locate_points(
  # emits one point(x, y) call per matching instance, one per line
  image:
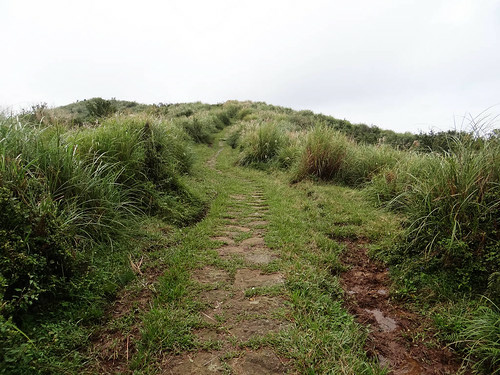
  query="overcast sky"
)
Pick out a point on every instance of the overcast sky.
point(398, 64)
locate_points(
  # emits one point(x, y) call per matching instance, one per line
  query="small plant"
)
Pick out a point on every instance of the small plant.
point(481, 338)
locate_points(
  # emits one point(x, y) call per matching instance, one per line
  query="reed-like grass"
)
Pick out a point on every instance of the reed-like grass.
point(323, 154)
point(262, 143)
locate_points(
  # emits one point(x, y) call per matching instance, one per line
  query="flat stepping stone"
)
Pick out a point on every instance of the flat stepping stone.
point(259, 362)
point(207, 334)
point(257, 214)
point(237, 227)
point(215, 297)
point(202, 363)
point(231, 250)
point(246, 278)
point(257, 223)
point(258, 304)
point(259, 256)
point(210, 275)
point(224, 239)
point(253, 241)
point(248, 329)
point(238, 197)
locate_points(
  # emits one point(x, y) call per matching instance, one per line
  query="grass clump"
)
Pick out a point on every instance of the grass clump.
point(481, 339)
point(323, 154)
point(452, 207)
point(262, 143)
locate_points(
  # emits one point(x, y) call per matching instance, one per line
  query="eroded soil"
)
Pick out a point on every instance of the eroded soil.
point(401, 339)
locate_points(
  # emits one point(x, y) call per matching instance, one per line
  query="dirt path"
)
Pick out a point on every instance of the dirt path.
point(401, 339)
point(236, 316)
point(239, 311)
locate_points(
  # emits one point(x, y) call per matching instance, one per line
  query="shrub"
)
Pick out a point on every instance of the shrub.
point(363, 162)
point(98, 107)
point(201, 131)
point(233, 138)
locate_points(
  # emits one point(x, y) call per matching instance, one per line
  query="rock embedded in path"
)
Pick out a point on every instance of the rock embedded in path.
point(253, 241)
point(210, 275)
point(260, 362)
point(246, 278)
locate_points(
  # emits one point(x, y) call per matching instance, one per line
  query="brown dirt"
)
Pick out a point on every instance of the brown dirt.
point(393, 328)
point(259, 362)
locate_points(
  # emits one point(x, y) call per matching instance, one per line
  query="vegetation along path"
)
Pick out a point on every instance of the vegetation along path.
point(241, 238)
point(260, 292)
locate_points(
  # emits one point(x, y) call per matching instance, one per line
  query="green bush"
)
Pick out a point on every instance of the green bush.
point(99, 107)
point(363, 162)
point(201, 131)
point(61, 191)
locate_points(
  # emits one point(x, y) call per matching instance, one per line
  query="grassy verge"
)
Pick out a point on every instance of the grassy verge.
point(322, 337)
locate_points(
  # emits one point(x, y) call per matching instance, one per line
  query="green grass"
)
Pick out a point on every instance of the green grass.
point(78, 203)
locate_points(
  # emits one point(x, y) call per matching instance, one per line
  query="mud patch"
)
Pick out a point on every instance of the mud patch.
point(385, 323)
point(393, 327)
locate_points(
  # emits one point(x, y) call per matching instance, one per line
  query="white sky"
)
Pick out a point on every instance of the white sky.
point(397, 64)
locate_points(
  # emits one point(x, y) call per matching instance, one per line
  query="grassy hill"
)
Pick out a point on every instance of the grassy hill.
point(82, 185)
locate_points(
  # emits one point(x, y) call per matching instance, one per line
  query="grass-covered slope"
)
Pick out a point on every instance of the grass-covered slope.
point(71, 199)
point(449, 199)
point(77, 184)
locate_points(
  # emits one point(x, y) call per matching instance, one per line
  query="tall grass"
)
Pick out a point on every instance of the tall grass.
point(452, 205)
point(481, 338)
point(323, 154)
point(63, 189)
point(262, 143)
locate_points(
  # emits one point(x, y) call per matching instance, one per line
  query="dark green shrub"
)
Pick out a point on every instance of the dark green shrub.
point(99, 107)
